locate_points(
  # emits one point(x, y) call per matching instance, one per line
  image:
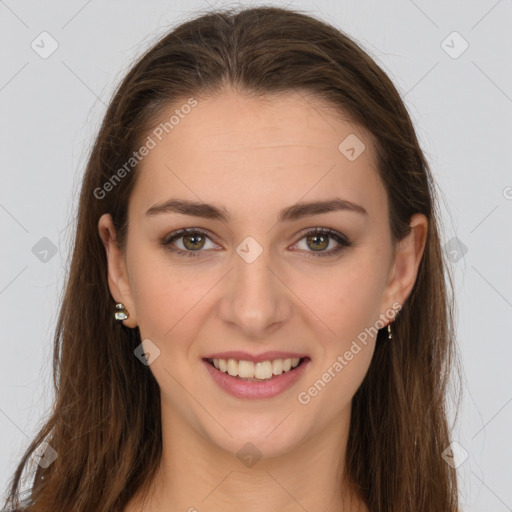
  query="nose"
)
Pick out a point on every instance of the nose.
point(255, 299)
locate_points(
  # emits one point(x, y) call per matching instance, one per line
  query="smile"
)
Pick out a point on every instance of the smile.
point(264, 379)
point(262, 370)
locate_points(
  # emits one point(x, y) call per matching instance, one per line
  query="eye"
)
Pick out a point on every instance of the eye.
point(193, 240)
point(318, 238)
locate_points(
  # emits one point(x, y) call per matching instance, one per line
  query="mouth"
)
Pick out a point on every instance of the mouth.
point(262, 371)
point(256, 380)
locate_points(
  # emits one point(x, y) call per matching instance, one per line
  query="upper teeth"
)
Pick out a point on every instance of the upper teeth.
point(260, 370)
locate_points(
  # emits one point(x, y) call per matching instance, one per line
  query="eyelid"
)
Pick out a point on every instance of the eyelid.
point(333, 233)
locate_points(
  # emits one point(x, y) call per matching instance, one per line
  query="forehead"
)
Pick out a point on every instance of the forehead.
point(258, 153)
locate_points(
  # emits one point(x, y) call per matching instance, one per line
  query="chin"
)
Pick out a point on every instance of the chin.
point(253, 440)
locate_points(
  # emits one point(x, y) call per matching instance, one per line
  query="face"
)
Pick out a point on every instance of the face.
point(261, 280)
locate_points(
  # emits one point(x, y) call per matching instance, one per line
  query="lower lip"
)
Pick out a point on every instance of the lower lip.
point(264, 389)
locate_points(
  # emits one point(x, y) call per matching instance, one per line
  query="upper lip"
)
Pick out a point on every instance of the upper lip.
point(255, 358)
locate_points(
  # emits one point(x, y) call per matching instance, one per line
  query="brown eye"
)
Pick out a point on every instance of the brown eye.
point(318, 242)
point(193, 242)
point(318, 239)
point(189, 241)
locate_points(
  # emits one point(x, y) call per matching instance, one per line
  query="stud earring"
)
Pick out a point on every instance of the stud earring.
point(121, 312)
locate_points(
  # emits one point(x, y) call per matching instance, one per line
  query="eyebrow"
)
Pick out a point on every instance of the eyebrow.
point(290, 213)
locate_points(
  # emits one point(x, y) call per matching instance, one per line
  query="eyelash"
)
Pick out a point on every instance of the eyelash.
point(338, 237)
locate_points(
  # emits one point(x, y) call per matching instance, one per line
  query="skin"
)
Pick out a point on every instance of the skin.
point(255, 157)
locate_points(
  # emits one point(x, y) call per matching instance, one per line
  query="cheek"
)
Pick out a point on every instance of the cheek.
point(162, 294)
point(348, 303)
point(346, 298)
point(170, 301)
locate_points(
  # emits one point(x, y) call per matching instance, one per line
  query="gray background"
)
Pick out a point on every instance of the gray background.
point(461, 104)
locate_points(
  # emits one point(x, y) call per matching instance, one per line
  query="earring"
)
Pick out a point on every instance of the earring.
point(121, 313)
point(389, 331)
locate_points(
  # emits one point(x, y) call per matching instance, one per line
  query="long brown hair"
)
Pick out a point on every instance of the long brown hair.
point(106, 430)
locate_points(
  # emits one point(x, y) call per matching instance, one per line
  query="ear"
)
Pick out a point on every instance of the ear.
point(404, 269)
point(117, 272)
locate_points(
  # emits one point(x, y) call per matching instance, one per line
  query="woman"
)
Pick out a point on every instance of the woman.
point(256, 315)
